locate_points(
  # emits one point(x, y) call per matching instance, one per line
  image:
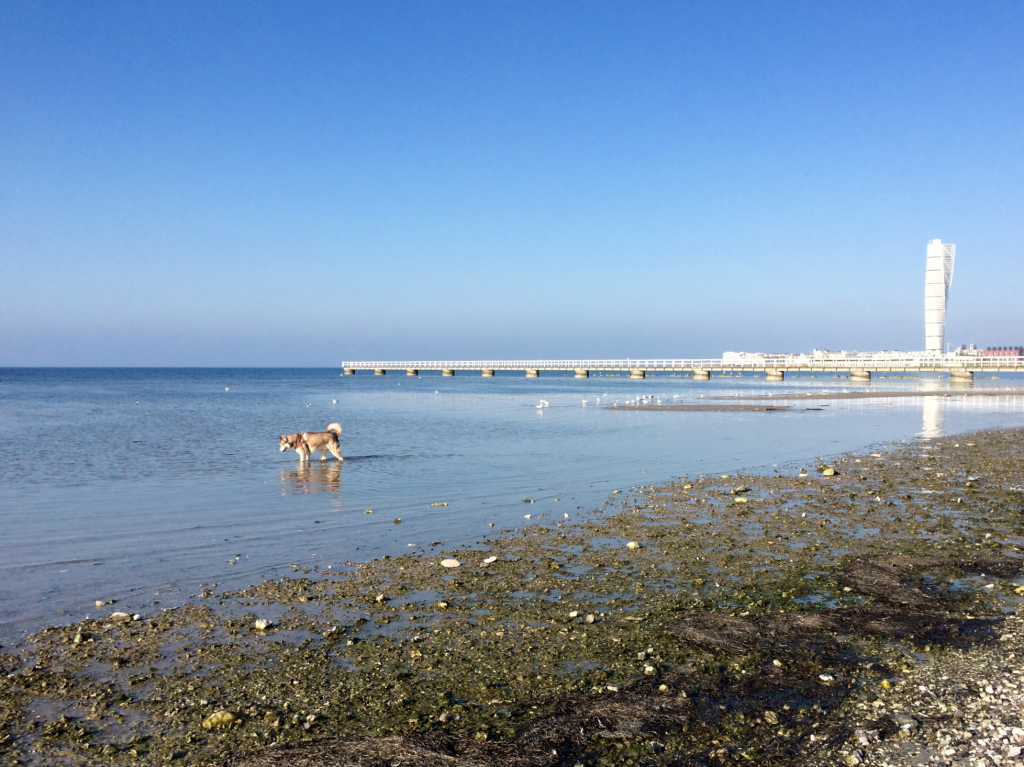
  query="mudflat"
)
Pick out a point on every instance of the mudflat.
point(788, 618)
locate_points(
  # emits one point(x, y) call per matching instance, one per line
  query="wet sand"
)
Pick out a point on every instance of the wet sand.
point(708, 621)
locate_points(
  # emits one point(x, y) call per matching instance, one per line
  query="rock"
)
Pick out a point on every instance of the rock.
point(828, 472)
point(589, 619)
point(771, 717)
point(99, 603)
point(450, 563)
point(854, 758)
point(109, 750)
point(739, 500)
point(381, 599)
point(777, 663)
point(742, 489)
point(573, 614)
point(442, 605)
point(632, 545)
point(650, 671)
point(826, 678)
point(866, 737)
point(489, 560)
point(120, 617)
point(440, 504)
point(262, 624)
point(663, 688)
point(219, 719)
point(527, 516)
point(398, 521)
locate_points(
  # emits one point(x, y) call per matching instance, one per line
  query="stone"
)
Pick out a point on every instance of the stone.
point(527, 516)
point(573, 614)
point(650, 671)
point(99, 603)
point(828, 472)
point(589, 619)
point(120, 617)
point(490, 560)
point(219, 719)
point(381, 599)
point(632, 545)
point(450, 563)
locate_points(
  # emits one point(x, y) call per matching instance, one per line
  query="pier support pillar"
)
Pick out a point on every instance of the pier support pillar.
point(448, 372)
point(581, 373)
point(774, 375)
point(348, 371)
point(636, 373)
point(380, 372)
point(532, 373)
point(701, 375)
point(487, 372)
point(860, 375)
point(412, 372)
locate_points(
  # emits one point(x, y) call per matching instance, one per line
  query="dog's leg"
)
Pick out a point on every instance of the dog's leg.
point(337, 453)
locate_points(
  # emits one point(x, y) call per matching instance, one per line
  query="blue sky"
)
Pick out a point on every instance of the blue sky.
point(301, 183)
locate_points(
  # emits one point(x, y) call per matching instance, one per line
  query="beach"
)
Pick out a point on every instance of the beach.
point(757, 617)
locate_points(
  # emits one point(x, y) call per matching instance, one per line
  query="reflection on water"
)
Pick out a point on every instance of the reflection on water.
point(933, 417)
point(312, 477)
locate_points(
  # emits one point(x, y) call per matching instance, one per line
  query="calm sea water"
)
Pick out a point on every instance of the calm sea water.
point(138, 485)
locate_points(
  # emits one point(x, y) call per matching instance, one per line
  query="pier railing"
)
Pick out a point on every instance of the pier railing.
point(893, 364)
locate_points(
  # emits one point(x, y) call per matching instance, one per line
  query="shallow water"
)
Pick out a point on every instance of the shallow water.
point(103, 498)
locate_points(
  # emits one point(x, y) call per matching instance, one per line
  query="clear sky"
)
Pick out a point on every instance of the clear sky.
point(300, 183)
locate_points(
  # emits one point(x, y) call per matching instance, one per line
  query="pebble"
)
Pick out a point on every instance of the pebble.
point(489, 560)
point(573, 614)
point(263, 624)
point(99, 603)
point(828, 472)
point(450, 563)
point(527, 516)
point(589, 619)
point(120, 617)
point(632, 545)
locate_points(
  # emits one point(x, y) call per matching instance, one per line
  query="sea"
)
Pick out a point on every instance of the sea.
point(144, 486)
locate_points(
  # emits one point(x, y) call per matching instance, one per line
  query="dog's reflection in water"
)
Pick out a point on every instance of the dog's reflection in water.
point(312, 477)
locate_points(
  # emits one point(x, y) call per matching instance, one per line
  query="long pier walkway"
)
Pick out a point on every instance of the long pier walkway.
point(959, 368)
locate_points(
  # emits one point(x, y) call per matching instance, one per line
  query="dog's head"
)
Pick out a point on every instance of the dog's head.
point(288, 441)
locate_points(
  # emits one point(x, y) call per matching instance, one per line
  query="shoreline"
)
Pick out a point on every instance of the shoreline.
point(788, 600)
point(878, 395)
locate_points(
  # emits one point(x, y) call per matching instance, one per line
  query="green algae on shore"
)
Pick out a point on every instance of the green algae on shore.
point(752, 607)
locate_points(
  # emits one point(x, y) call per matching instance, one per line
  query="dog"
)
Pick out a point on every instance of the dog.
point(309, 442)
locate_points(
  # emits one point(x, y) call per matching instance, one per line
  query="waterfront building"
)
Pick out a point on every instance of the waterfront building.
point(938, 277)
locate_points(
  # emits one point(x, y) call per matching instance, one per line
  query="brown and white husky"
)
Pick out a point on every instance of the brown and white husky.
point(309, 442)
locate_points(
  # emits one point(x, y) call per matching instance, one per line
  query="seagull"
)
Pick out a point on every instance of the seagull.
point(541, 405)
point(334, 401)
point(310, 405)
point(227, 388)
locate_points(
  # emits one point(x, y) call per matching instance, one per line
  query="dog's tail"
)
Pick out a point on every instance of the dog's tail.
point(334, 427)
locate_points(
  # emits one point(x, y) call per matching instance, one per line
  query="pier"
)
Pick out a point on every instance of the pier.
point(961, 369)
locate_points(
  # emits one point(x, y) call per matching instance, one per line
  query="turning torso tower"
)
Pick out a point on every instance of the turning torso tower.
point(938, 277)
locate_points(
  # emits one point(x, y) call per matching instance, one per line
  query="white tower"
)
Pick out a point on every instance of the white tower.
point(937, 279)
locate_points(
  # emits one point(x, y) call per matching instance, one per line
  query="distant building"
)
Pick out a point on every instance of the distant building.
point(938, 277)
point(1003, 351)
